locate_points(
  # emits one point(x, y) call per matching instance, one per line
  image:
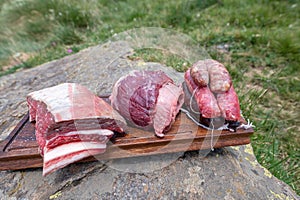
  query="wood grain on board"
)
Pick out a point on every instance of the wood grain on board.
point(20, 150)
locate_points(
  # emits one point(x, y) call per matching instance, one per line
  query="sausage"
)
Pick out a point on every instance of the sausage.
point(193, 108)
point(219, 77)
point(229, 105)
point(205, 99)
point(199, 73)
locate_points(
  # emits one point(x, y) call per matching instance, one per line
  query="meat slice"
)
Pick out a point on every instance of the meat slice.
point(205, 99)
point(69, 152)
point(69, 114)
point(169, 101)
point(65, 154)
point(140, 95)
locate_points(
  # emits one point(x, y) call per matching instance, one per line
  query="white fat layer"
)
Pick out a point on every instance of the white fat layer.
point(56, 98)
point(104, 132)
point(60, 100)
point(67, 161)
point(64, 150)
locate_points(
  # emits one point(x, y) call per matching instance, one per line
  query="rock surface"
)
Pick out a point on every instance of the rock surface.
point(228, 173)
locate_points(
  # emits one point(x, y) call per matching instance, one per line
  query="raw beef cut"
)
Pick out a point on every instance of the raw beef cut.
point(147, 99)
point(71, 123)
point(209, 95)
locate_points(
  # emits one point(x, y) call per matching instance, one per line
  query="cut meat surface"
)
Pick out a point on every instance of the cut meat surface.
point(140, 95)
point(170, 100)
point(69, 114)
point(134, 96)
point(54, 159)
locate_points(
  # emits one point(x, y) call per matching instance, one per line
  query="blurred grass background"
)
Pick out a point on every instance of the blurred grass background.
point(258, 41)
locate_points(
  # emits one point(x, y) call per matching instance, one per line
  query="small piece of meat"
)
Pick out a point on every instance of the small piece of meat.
point(229, 104)
point(219, 77)
point(199, 73)
point(169, 101)
point(66, 154)
point(205, 99)
point(140, 95)
point(69, 114)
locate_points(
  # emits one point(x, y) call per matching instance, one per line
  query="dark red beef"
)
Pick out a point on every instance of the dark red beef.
point(142, 104)
point(135, 97)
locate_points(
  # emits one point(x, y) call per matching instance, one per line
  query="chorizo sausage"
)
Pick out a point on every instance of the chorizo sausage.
point(219, 77)
point(205, 99)
point(199, 73)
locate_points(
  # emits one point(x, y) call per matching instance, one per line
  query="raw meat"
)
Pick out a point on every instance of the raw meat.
point(145, 97)
point(211, 72)
point(199, 73)
point(205, 99)
point(211, 100)
point(194, 112)
point(219, 78)
point(169, 101)
point(229, 104)
point(70, 116)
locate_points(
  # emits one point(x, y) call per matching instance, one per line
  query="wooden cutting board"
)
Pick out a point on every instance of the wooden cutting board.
point(20, 150)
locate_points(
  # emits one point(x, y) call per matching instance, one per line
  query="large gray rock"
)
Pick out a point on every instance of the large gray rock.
point(228, 173)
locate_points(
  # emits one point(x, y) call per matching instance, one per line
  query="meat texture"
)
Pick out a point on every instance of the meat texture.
point(219, 77)
point(147, 99)
point(229, 104)
point(205, 99)
point(209, 94)
point(71, 123)
point(199, 73)
point(211, 72)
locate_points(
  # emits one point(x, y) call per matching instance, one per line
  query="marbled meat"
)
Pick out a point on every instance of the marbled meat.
point(147, 100)
point(71, 123)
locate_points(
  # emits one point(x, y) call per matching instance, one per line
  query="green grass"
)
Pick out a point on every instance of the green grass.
point(156, 55)
point(263, 40)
